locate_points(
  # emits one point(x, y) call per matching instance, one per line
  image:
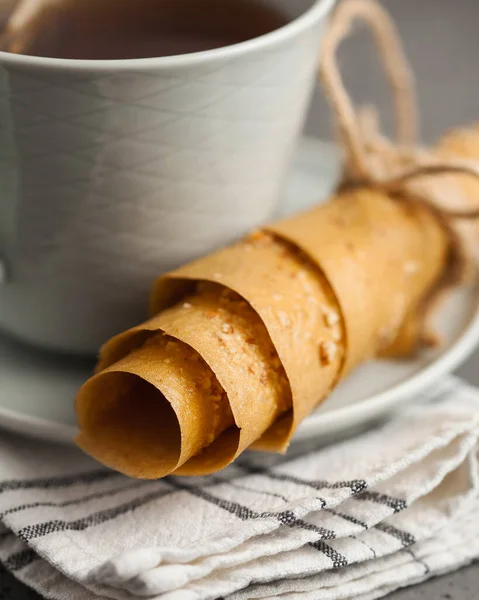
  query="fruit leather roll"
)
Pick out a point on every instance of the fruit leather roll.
point(243, 344)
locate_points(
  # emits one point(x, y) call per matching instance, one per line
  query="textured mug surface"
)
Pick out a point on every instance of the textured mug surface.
point(112, 172)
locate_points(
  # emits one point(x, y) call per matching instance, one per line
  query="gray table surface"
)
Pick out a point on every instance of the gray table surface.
point(443, 44)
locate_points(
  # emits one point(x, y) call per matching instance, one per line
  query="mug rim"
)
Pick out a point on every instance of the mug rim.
point(318, 10)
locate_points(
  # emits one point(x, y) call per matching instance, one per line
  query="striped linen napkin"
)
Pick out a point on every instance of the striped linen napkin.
point(358, 519)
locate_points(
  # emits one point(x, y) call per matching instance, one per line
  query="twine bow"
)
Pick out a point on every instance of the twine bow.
point(372, 159)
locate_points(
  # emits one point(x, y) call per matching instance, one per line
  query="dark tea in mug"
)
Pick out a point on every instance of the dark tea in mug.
point(125, 29)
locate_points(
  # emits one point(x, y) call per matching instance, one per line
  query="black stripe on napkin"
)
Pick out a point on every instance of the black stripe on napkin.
point(46, 483)
point(396, 504)
point(349, 518)
point(337, 559)
point(357, 486)
point(326, 534)
point(41, 529)
point(363, 543)
point(418, 560)
point(239, 510)
point(253, 490)
point(20, 560)
point(6, 534)
point(357, 522)
point(406, 539)
point(75, 501)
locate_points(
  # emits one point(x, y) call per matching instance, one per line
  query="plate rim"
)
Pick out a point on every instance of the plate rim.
point(23, 424)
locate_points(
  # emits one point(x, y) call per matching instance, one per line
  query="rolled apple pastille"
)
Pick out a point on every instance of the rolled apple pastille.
point(223, 328)
point(134, 418)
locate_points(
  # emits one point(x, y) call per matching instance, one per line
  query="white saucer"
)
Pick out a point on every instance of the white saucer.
point(37, 390)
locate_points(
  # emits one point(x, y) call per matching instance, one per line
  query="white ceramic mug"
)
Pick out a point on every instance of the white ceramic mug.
point(112, 172)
